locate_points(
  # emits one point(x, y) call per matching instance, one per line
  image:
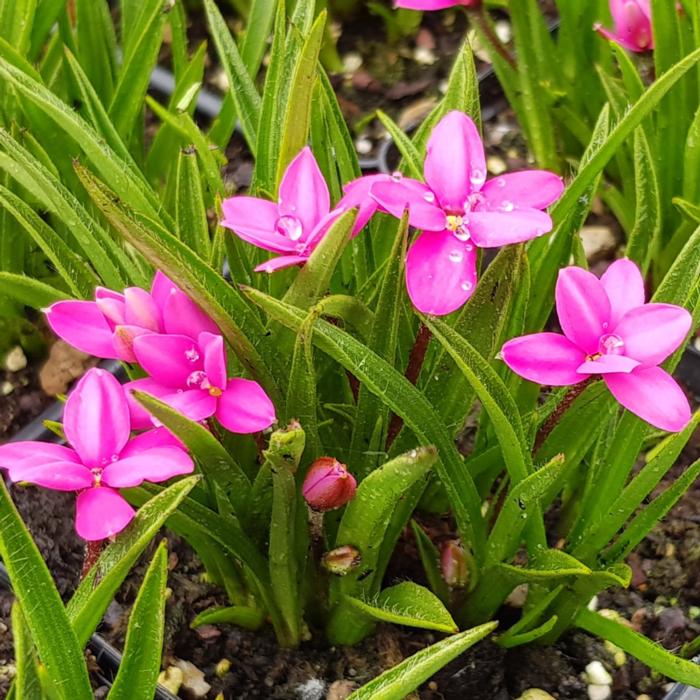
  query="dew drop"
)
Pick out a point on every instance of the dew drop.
point(477, 177)
point(290, 227)
point(501, 182)
point(506, 205)
point(462, 233)
point(611, 344)
point(429, 197)
point(114, 458)
point(397, 176)
point(456, 256)
point(469, 247)
point(192, 355)
point(466, 286)
point(196, 379)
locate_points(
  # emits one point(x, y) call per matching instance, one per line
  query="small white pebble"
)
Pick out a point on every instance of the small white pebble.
point(363, 146)
point(535, 694)
point(443, 85)
point(593, 603)
point(313, 689)
point(599, 692)
point(352, 62)
point(496, 165)
point(597, 674)
point(503, 31)
point(424, 57)
point(15, 360)
point(6, 388)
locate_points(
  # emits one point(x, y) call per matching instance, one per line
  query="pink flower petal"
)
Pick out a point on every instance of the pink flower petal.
point(455, 164)
point(492, 229)
point(607, 364)
point(214, 358)
point(114, 310)
point(430, 5)
point(281, 262)
point(100, 513)
point(545, 358)
point(123, 341)
point(357, 195)
point(255, 221)
point(303, 192)
point(196, 404)
point(440, 272)
point(620, 39)
point(653, 395)
point(155, 464)
point(321, 229)
point(140, 418)
point(96, 418)
point(169, 359)
point(653, 331)
point(157, 437)
point(527, 189)
point(31, 452)
point(161, 288)
point(102, 293)
point(583, 307)
point(625, 288)
point(181, 316)
point(245, 407)
point(397, 196)
point(82, 325)
point(59, 476)
point(141, 309)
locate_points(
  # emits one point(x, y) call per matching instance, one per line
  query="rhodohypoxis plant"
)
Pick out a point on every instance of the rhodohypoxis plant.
point(435, 4)
point(102, 457)
point(633, 30)
point(459, 209)
point(610, 331)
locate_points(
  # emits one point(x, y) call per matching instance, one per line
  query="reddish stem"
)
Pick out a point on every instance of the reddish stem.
point(415, 363)
point(92, 554)
point(479, 16)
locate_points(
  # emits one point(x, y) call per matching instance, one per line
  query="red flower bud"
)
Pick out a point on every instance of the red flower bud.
point(454, 564)
point(342, 560)
point(328, 484)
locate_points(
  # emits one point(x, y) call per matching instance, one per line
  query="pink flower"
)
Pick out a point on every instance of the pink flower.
point(609, 330)
point(295, 225)
point(458, 208)
point(102, 458)
point(434, 4)
point(633, 30)
point(453, 563)
point(107, 326)
point(190, 376)
point(328, 485)
point(357, 195)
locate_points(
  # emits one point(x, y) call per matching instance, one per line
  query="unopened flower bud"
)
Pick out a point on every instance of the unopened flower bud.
point(328, 484)
point(341, 560)
point(454, 564)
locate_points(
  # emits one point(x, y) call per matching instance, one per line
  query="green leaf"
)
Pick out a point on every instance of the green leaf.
point(522, 631)
point(16, 21)
point(137, 677)
point(192, 225)
point(408, 604)
point(314, 278)
point(398, 682)
point(216, 463)
point(240, 615)
point(692, 211)
point(297, 116)
point(96, 590)
point(96, 44)
point(45, 615)
point(637, 645)
point(29, 291)
point(430, 558)
point(241, 87)
point(260, 18)
point(27, 684)
point(140, 56)
point(412, 161)
point(550, 564)
point(203, 284)
point(364, 525)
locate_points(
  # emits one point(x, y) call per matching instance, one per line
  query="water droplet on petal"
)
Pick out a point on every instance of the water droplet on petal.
point(196, 379)
point(500, 182)
point(397, 176)
point(462, 233)
point(506, 205)
point(466, 286)
point(469, 247)
point(114, 457)
point(192, 355)
point(477, 177)
point(429, 197)
point(611, 344)
point(290, 227)
point(456, 256)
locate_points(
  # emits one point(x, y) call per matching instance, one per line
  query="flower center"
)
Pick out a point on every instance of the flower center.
point(454, 222)
point(199, 380)
point(290, 227)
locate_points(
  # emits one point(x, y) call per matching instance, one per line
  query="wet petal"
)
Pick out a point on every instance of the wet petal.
point(357, 194)
point(653, 395)
point(582, 307)
point(245, 407)
point(527, 189)
point(182, 316)
point(545, 358)
point(155, 464)
point(607, 364)
point(255, 221)
point(321, 229)
point(82, 325)
point(101, 513)
point(96, 418)
point(653, 331)
point(141, 309)
point(59, 476)
point(169, 359)
point(123, 341)
point(303, 192)
point(214, 358)
point(157, 437)
point(440, 272)
point(31, 452)
point(423, 212)
point(196, 404)
point(281, 262)
point(625, 288)
point(455, 164)
point(139, 416)
point(493, 229)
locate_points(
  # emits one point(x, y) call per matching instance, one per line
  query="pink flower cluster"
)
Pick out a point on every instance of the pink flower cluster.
point(102, 458)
